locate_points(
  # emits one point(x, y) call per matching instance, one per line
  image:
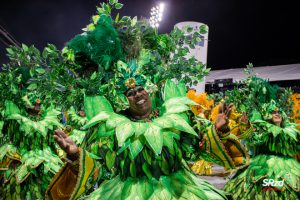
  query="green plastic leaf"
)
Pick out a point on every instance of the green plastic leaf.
point(132, 169)
point(40, 70)
point(163, 122)
point(146, 170)
point(32, 86)
point(11, 108)
point(118, 6)
point(22, 173)
point(94, 76)
point(114, 120)
point(135, 147)
point(10, 51)
point(180, 124)
point(124, 147)
point(134, 21)
point(96, 104)
point(110, 159)
point(170, 90)
point(112, 2)
point(123, 132)
point(25, 47)
point(77, 136)
point(102, 116)
point(154, 138)
point(140, 128)
point(203, 29)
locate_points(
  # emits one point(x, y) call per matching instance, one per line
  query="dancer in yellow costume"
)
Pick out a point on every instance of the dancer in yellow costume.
point(222, 143)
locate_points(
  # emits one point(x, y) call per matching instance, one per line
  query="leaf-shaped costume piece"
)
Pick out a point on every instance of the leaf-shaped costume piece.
point(30, 127)
point(33, 159)
point(137, 159)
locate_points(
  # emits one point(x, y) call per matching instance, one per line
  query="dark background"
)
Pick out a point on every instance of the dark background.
point(263, 32)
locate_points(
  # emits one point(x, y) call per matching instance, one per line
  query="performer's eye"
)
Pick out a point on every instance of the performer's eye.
point(130, 93)
point(139, 89)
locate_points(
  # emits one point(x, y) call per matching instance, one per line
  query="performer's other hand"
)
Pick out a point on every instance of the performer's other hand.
point(66, 144)
point(222, 118)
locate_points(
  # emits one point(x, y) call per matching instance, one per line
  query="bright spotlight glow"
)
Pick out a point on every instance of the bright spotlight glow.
point(156, 15)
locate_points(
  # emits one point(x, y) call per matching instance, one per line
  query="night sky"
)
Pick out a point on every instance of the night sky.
point(240, 31)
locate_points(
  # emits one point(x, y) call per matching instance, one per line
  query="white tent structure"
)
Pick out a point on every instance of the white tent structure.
point(271, 73)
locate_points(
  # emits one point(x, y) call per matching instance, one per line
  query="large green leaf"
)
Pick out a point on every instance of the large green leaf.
point(154, 138)
point(292, 132)
point(11, 108)
point(140, 128)
point(102, 116)
point(96, 104)
point(123, 132)
point(136, 147)
point(176, 108)
point(168, 140)
point(182, 88)
point(171, 90)
point(180, 124)
point(114, 120)
point(163, 122)
point(179, 100)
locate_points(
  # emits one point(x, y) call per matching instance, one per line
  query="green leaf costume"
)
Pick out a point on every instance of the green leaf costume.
point(135, 159)
point(273, 172)
point(28, 159)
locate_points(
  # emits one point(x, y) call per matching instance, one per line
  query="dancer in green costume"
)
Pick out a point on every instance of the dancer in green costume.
point(273, 172)
point(141, 156)
point(139, 132)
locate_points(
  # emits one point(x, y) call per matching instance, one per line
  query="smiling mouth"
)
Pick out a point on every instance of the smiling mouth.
point(140, 102)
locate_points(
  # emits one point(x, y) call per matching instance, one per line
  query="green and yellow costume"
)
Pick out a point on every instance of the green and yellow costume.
point(134, 159)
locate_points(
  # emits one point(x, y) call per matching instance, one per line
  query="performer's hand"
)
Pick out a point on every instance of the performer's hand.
point(66, 144)
point(222, 118)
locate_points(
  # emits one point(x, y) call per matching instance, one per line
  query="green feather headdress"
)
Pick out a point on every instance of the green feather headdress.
point(100, 46)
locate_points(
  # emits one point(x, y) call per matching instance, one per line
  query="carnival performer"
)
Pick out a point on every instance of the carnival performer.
point(273, 173)
point(136, 156)
point(221, 129)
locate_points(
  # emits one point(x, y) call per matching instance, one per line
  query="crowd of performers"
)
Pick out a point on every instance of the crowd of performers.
point(105, 119)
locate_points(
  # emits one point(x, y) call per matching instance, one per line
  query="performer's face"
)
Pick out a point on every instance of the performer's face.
point(139, 101)
point(276, 117)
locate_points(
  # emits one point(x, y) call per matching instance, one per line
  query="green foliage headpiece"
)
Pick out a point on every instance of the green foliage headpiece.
point(128, 76)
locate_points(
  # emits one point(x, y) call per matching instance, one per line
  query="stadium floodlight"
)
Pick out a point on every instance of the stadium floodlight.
point(156, 15)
